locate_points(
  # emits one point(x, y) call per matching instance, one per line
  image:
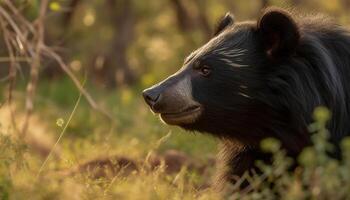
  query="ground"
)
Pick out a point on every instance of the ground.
point(102, 158)
point(127, 159)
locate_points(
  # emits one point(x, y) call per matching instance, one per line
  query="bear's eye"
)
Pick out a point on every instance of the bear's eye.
point(205, 70)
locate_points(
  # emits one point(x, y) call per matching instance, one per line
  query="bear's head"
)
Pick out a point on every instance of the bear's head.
point(222, 88)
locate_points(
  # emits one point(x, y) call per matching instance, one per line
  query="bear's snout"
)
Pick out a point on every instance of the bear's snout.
point(172, 99)
point(151, 96)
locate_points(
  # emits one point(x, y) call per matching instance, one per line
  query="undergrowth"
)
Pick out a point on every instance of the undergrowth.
point(136, 134)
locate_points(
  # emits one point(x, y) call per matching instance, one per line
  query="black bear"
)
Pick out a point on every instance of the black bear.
point(260, 79)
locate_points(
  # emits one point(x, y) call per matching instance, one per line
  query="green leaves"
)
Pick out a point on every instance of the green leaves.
point(318, 176)
point(322, 115)
point(271, 145)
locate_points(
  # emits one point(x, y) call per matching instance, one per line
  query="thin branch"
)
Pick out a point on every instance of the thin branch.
point(25, 41)
point(12, 72)
point(17, 13)
point(12, 24)
point(16, 59)
point(35, 65)
point(11, 60)
point(71, 75)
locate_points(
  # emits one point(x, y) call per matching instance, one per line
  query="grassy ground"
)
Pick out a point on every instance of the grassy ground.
point(134, 134)
point(134, 156)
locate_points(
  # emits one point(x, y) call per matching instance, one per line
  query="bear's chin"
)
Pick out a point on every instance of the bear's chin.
point(189, 116)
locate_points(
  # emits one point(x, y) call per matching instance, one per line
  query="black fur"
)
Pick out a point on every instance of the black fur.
point(293, 66)
point(266, 78)
point(226, 21)
point(279, 33)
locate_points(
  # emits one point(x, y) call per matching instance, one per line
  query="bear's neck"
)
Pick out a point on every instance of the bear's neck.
point(255, 124)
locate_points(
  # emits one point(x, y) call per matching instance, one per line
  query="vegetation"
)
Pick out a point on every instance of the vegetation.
point(73, 124)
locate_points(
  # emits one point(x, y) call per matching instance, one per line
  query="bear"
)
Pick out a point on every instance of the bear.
point(259, 79)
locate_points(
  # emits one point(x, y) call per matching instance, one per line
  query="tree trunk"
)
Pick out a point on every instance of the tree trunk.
point(70, 13)
point(116, 68)
point(203, 18)
point(184, 18)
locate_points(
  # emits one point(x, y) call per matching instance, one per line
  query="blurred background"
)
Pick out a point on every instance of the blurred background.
point(108, 51)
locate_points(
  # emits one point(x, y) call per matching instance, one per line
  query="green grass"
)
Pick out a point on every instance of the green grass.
point(134, 133)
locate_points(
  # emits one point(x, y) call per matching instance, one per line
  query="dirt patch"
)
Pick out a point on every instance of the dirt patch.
point(172, 161)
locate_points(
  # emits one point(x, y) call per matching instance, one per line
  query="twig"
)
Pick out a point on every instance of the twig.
point(25, 43)
point(15, 59)
point(71, 75)
point(11, 59)
point(35, 65)
point(16, 12)
point(12, 24)
point(12, 73)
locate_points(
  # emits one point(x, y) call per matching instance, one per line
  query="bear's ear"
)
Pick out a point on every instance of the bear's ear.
point(279, 33)
point(225, 21)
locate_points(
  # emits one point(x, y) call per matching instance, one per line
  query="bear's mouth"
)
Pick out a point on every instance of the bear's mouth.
point(186, 116)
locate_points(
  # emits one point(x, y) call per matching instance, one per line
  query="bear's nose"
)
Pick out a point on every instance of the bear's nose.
point(151, 96)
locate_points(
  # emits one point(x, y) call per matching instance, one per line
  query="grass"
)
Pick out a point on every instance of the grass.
point(137, 136)
point(133, 133)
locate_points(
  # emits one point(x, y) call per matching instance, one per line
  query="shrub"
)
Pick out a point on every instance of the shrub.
point(318, 175)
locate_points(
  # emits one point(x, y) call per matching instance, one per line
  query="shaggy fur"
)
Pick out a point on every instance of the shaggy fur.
point(267, 77)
